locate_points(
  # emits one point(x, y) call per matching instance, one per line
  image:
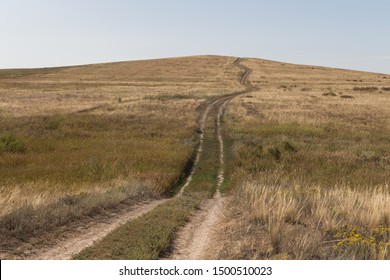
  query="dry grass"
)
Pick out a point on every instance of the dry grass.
point(90, 132)
point(311, 222)
point(312, 148)
point(73, 89)
point(309, 154)
point(143, 129)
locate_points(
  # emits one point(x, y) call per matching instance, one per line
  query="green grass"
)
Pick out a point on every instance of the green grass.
point(78, 148)
point(206, 171)
point(10, 144)
point(144, 238)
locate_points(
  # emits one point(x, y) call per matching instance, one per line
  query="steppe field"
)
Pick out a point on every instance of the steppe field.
point(203, 157)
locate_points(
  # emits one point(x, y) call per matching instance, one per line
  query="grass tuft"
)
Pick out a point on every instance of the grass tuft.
point(10, 144)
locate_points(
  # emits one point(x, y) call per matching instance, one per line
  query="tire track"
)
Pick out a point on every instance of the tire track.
point(195, 240)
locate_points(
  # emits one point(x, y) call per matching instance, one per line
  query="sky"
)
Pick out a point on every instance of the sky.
point(350, 34)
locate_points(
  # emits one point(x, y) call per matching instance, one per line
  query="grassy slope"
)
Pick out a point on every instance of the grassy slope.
point(311, 164)
point(142, 125)
point(77, 140)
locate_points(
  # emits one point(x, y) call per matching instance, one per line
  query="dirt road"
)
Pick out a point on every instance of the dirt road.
point(196, 241)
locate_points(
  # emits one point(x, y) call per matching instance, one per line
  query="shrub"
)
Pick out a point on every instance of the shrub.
point(10, 144)
point(275, 153)
point(361, 242)
point(329, 94)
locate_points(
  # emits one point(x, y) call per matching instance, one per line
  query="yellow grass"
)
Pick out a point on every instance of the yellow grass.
point(86, 128)
point(311, 222)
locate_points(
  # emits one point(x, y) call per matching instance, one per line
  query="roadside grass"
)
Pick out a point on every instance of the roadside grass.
point(144, 238)
point(229, 166)
point(310, 173)
point(206, 171)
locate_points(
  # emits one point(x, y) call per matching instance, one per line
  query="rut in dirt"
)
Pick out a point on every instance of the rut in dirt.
point(196, 239)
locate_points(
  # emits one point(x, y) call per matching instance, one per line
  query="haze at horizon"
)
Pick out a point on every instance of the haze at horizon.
point(343, 34)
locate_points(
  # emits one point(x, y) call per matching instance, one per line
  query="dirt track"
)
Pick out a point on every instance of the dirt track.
point(196, 241)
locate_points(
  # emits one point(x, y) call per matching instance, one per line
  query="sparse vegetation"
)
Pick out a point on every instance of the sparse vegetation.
point(365, 88)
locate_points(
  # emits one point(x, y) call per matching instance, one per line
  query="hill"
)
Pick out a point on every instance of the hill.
point(299, 154)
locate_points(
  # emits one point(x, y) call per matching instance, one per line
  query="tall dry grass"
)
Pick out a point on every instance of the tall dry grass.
point(310, 222)
point(325, 214)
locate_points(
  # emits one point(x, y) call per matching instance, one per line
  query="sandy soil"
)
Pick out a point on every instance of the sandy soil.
point(195, 240)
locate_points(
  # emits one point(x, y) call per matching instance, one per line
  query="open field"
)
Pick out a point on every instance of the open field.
point(76, 140)
point(299, 154)
point(311, 165)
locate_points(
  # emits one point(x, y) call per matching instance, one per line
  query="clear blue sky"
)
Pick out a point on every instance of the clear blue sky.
point(350, 34)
